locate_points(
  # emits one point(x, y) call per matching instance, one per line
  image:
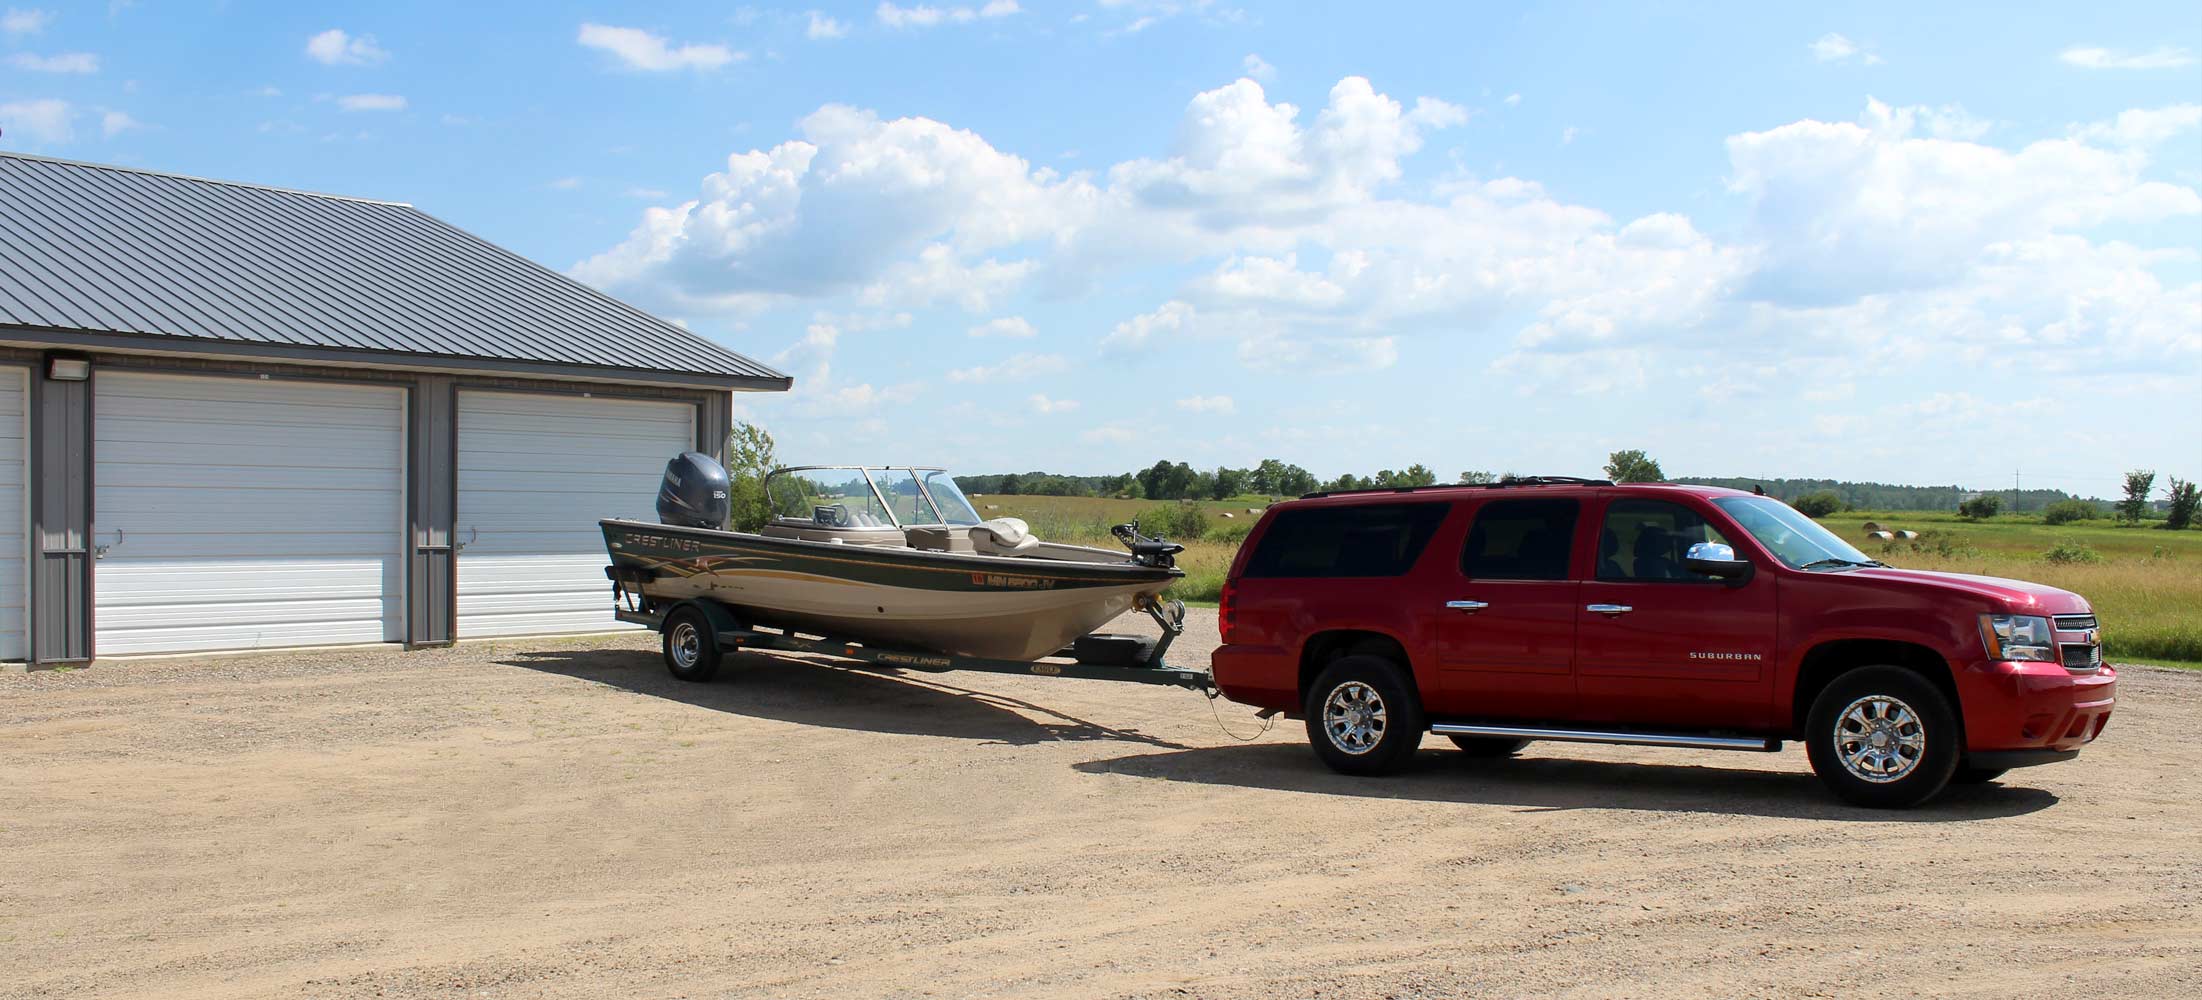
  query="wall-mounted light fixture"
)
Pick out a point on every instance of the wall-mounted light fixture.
point(68, 367)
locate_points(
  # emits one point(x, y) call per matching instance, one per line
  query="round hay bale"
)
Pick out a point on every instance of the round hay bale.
point(1881, 536)
point(993, 506)
point(1907, 535)
point(1227, 514)
point(1871, 526)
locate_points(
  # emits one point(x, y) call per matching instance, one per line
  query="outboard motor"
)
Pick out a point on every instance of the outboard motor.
point(694, 493)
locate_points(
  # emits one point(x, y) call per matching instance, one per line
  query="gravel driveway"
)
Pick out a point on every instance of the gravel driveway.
point(560, 818)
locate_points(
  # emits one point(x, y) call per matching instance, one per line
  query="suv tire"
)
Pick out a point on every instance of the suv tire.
point(1882, 737)
point(1363, 716)
point(1488, 746)
point(691, 645)
point(1976, 775)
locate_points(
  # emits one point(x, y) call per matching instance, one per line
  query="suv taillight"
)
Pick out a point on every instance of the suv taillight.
point(1226, 618)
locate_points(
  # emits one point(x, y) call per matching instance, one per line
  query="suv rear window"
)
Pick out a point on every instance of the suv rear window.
point(1520, 540)
point(1370, 540)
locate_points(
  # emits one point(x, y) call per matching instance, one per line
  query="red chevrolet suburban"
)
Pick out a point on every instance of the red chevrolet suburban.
point(1554, 608)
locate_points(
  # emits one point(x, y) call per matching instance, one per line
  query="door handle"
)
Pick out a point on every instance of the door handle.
point(1469, 607)
point(1609, 610)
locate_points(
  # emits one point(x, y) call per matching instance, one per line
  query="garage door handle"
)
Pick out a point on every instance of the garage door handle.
point(1466, 607)
point(1609, 610)
point(471, 535)
point(100, 551)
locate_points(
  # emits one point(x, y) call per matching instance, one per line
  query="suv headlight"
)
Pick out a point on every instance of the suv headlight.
point(2018, 637)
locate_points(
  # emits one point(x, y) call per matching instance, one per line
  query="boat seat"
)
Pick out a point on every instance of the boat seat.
point(1003, 536)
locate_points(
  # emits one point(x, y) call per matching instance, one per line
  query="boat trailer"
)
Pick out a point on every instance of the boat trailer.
point(1082, 660)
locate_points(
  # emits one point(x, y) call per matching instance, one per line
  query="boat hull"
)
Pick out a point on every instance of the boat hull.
point(1005, 608)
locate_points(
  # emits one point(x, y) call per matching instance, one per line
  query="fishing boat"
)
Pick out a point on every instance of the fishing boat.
point(894, 556)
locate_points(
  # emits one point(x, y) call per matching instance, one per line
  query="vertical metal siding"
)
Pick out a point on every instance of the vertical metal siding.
point(15, 392)
point(61, 514)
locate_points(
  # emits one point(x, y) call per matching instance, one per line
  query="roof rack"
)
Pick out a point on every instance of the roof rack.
point(1510, 481)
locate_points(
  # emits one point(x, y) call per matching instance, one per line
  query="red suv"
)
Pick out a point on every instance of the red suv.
point(1663, 615)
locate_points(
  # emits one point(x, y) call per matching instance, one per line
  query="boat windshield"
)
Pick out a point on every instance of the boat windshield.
point(837, 498)
point(853, 497)
point(904, 499)
point(954, 507)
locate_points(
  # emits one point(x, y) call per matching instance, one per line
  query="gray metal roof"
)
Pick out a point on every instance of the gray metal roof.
point(184, 263)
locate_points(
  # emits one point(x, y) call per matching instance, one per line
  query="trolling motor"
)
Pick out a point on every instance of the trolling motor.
point(1153, 551)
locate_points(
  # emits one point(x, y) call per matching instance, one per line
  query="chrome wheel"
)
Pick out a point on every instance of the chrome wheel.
point(1353, 717)
point(685, 645)
point(1879, 738)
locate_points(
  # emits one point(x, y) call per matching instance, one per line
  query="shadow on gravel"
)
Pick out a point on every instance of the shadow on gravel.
point(840, 696)
point(1539, 783)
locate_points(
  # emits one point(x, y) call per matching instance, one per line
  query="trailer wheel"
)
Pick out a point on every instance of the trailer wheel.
point(691, 645)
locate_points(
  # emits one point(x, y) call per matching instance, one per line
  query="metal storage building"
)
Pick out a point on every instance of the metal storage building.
point(237, 417)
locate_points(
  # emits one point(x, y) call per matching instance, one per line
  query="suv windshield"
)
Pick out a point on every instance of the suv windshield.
point(1798, 541)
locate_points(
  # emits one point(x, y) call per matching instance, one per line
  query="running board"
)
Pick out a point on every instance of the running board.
point(1691, 741)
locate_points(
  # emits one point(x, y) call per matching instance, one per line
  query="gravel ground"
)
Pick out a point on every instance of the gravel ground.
point(560, 819)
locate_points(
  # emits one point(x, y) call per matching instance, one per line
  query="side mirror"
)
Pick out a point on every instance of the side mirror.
point(1717, 560)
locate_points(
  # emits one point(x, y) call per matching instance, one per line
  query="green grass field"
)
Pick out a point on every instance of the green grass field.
point(2145, 583)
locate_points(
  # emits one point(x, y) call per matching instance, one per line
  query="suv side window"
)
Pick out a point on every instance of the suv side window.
point(1366, 540)
point(1646, 540)
point(1521, 540)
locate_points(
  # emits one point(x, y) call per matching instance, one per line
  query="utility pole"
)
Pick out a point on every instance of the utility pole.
point(2014, 490)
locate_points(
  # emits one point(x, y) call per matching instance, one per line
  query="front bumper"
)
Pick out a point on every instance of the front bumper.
point(2033, 713)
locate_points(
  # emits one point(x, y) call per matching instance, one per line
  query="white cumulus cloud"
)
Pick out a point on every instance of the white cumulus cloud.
point(822, 27)
point(641, 50)
point(1008, 326)
point(2093, 57)
point(337, 47)
point(114, 123)
point(372, 102)
point(925, 15)
point(1222, 405)
point(61, 62)
point(19, 21)
point(43, 119)
point(1043, 405)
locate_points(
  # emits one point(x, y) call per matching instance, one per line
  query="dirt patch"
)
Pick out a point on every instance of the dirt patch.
point(560, 818)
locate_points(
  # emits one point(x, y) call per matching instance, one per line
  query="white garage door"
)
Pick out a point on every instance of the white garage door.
point(535, 475)
point(244, 514)
point(14, 510)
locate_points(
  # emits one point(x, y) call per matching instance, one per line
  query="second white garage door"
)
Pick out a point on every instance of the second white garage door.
point(243, 514)
point(535, 474)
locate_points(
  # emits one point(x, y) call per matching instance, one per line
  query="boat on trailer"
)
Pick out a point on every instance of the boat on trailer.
point(887, 559)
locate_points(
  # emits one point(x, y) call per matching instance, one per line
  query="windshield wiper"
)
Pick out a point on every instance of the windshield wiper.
point(1832, 561)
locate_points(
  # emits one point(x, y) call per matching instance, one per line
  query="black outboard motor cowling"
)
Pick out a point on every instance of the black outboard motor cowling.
point(694, 493)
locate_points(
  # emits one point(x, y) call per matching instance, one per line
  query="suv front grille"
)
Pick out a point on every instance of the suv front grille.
point(2074, 623)
point(2079, 656)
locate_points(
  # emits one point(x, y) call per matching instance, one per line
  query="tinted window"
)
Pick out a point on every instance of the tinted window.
point(1372, 540)
point(1520, 540)
point(1646, 540)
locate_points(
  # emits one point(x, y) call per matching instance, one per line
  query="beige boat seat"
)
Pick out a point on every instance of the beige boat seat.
point(1003, 536)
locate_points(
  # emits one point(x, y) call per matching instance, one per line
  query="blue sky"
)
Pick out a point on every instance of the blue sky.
point(1867, 242)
